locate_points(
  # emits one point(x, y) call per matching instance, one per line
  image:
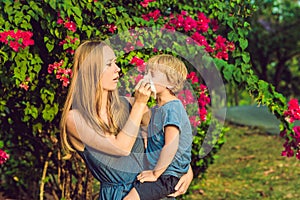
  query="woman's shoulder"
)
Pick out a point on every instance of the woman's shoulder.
point(73, 135)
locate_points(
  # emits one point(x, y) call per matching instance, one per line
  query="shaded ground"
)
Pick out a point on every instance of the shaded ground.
point(250, 166)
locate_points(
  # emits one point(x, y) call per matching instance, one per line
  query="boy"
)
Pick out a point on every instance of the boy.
point(169, 132)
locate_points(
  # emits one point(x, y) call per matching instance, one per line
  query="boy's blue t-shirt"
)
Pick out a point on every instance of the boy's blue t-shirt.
point(171, 113)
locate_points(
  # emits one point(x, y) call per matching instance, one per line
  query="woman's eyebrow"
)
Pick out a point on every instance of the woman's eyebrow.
point(110, 61)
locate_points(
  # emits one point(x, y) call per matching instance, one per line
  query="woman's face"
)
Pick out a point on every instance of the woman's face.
point(110, 75)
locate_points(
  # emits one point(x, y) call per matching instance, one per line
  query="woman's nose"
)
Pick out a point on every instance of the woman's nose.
point(118, 69)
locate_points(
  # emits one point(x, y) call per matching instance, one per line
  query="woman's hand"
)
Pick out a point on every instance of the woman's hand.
point(183, 183)
point(142, 91)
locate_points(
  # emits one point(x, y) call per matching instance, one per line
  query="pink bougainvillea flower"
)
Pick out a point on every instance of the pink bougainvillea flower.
point(203, 100)
point(68, 72)
point(112, 28)
point(139, 43)
point(203, 22)
point(70, 25)
point(298, 155)
point(129, 47)
point(141, 65)
point(138, 78)
point(3, 37)
point(189, 24)
point(168, 28)
point(180, 96)
point(200, 39)
point(293, 111)
point(214, 24)
point(282, 133)
point(193, 77)
point(296, 134)
point(60, 21)
point(202, 114)
point(3, 156)
point(194, 121)
point(230, 46)
point(15, 45)
point(184, 13)
point(222, 55)
point(24, 86)
point(17, 40)
point(146, 2)
point(70, 51)
point(293, 104)
point(152, 15)
point(65, 81)
point(203, 88)
point(61, 74)
point(220, 42)
point(288, 151)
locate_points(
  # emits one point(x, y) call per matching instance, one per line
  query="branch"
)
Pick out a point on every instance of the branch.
point(44, 176)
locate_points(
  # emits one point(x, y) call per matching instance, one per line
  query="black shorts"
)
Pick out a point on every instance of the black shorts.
point(164, 186)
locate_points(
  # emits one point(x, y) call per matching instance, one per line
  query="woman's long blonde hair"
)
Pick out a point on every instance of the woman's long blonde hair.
point(85, 93)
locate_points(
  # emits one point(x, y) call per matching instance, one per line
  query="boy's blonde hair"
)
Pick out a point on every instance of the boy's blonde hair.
point(172, 67)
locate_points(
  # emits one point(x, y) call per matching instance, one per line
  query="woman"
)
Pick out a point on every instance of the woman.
point(93, 115)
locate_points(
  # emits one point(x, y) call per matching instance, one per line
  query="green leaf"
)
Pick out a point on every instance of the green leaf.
point(47, 95)
point(243, 43)
point(228, 71)
point(77, 11)
point(246, 58)
point(49, 46)
point(237, 74)
point(49, 112)
point(52, 4)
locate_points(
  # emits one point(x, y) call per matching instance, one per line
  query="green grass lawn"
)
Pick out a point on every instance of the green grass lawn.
point(250, 166)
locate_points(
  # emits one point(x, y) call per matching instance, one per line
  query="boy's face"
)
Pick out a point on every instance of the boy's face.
point(158, 80)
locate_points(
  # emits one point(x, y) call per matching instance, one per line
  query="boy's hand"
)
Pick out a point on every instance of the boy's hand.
point(147, 176)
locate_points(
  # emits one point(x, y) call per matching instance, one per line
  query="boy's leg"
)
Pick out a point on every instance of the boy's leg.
point(156, 190)
point(132, 195)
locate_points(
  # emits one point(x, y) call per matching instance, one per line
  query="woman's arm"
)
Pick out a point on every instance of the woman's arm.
point(121, 144)
point(183, 183)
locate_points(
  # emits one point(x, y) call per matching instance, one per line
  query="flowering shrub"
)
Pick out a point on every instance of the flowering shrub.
point(40, 38)
point(292, 141)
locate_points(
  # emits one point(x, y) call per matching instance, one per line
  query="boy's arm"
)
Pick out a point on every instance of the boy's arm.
point(166, 155)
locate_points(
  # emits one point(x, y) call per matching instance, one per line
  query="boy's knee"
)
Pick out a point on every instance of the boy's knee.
point(132, 195)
